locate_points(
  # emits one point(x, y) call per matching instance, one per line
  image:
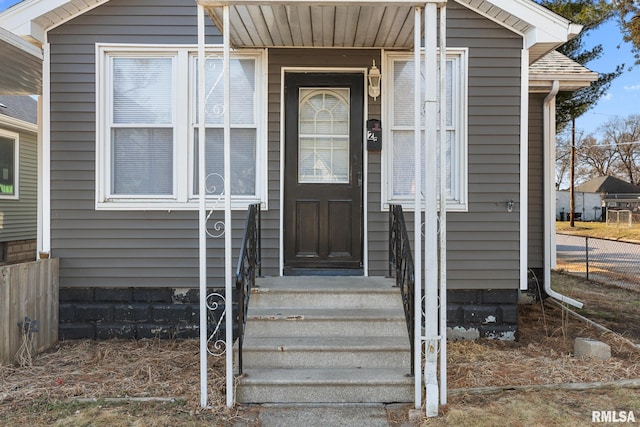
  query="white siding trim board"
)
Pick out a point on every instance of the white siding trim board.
point(524, 169)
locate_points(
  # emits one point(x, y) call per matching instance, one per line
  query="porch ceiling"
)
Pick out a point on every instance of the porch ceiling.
point(336, 24)
point(373, 23)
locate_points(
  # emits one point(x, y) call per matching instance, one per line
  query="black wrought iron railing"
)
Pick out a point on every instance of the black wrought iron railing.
point(249, 266)
point(402, 268)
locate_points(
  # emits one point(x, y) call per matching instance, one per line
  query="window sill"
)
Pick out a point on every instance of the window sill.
point(164, 205)
point(408, 206)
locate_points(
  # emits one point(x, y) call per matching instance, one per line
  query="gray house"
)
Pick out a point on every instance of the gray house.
point(315, 141)
point(18, 178)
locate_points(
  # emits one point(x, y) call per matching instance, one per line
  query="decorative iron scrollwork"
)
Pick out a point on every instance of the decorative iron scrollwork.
point(216, 302)
point(214, 186)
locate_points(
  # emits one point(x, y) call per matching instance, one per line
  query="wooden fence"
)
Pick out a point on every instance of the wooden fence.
point(28, 293)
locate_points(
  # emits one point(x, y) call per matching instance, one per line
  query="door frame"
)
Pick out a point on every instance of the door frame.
point(365, 166)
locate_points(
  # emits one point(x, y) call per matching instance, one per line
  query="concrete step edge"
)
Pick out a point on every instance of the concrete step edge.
point(323, 313)
point(323, 343)
point(325, 376)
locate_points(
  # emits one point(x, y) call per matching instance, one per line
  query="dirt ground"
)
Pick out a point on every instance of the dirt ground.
point(58, 388)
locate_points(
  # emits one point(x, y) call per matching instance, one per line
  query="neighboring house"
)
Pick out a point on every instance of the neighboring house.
point(588, 206)
point(607, 185)
point(615, 193)
point(120, 114)
point(18, 178)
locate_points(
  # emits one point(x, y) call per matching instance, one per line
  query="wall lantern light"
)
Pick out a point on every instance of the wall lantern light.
point(374, 81)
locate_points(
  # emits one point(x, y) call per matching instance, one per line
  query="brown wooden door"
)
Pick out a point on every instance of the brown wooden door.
point(324, 128)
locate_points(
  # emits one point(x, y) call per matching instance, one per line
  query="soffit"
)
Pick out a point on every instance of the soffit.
point(20, 66)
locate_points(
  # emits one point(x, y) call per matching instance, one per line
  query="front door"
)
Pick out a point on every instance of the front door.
point(323, 172)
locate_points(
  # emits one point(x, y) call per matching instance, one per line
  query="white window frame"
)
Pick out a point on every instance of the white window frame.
point(16, 165)
point(459, 162)
point(184, 89)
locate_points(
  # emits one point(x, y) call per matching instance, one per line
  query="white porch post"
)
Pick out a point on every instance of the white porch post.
point(202, 214)
point(443, 205)
point(228, 226)
point(431, 214)
point(417, 212)
point(202, 208)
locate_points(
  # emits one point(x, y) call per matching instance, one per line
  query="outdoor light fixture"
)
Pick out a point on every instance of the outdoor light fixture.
point(374, 81)
point(510, 204)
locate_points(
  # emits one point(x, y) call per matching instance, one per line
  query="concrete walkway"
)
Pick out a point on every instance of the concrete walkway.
point(329, 415)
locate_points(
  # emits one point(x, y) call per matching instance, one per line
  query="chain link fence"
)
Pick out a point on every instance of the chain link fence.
point(601, 260)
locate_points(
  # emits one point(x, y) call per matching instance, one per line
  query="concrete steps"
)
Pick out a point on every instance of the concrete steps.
point(325, 386)
point(325, 340)
point(329, 352)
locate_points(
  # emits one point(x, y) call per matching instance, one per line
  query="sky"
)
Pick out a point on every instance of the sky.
point(6, 3)
point(623, 97)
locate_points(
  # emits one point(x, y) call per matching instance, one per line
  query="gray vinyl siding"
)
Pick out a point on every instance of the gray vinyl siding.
point(160, 248)
point(18, 218)
point(536, 182)
point(116, 248)
point(483, 243)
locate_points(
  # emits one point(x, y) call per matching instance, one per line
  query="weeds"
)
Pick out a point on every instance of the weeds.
point(24, 356)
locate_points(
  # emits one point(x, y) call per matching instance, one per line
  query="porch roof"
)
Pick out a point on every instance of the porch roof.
point(374, 23)
point(555, 66)
point(277, 23)
point(322, 23)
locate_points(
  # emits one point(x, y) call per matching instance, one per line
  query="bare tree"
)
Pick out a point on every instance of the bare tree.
point(623, 134)
point(595, 158)
point(563, 159)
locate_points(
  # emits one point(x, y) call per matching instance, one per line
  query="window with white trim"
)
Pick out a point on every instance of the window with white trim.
point(147, 133)
point(399, 153)
point(9, 164)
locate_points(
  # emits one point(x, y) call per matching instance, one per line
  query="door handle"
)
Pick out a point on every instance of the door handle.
point(359, 179)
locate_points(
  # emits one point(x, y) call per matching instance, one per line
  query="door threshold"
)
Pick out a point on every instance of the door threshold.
point(291, 271)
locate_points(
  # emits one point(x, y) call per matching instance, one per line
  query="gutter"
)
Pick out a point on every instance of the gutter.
point(549, 136)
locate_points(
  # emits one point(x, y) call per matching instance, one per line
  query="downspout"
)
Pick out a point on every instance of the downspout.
point(549, 135)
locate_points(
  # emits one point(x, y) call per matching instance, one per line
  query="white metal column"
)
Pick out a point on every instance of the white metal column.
point(228, 226)
point(430, 211)
point(202, 210)
point(443, 205)
point(417, 212)
point(202, 207)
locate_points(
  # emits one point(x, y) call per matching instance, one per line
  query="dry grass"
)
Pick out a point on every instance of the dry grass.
point(111, 369)
point(47, 392)
point(539, 357)
point(599, 230)
point(615, 307)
